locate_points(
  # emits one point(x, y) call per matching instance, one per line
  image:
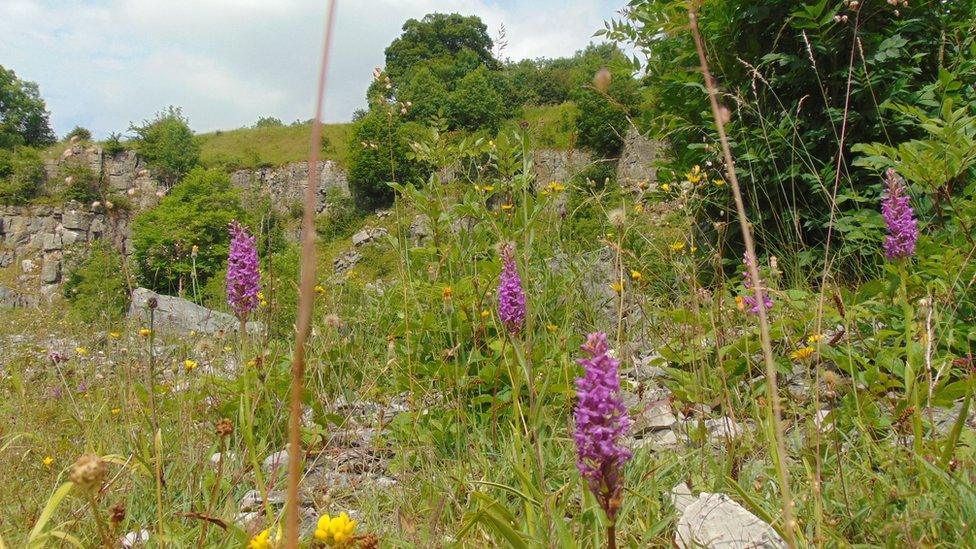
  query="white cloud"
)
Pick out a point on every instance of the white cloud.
point(107, 63)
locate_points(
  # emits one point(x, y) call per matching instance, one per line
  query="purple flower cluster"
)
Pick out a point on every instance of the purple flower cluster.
point(243, 277)
point(511, 296)
point(898, 215)
point(749, 300)
point(57, 357)
point(601, 422)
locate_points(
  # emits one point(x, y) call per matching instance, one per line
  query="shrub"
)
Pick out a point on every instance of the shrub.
point(113, 145)
point(82, 184)
point(603, 120)
point(81, 133)
point(340, 220)
point(378, 154)
point(168, 145)
point(21, 175)
point(96, 286)
point(268, 122)
point(196, 212)
point(475, 103)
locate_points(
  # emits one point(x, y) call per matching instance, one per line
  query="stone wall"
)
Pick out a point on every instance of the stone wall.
point(286, 185)
point(124, 172)
point(637, 158)
point(35, 239)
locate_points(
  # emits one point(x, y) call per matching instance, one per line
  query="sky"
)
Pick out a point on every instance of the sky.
point(102, 64)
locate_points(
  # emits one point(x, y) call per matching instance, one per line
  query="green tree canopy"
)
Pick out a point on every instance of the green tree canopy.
point(378, 154)
point(23, 114)
point(168, 145)
point(450, 43)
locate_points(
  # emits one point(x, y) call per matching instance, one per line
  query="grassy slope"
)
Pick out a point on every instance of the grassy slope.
point(274, 146)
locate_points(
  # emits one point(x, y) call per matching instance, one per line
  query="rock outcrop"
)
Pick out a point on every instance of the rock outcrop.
point(182, 316)
point(637, 158)
point(286, 185)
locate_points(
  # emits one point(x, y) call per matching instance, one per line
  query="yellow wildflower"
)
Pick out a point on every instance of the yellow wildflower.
point(507, 206)
point(335, 531)
point(677, 246)
point(554, 187)
point(638, 208)
point(320, 289)
point(485, 314)
point(81, 351)
point(190, 365)
point(261, 541)
point(115, 335)
point(193, 333)
point(487, 188)
point(802, 354)
point(116, 411)
point(617, 287)
point(636, 276)
point(665, 187)
point(719, 182)
point(740, 303)
point(227, 348)
point(695, 175)
point(693, 249)
point(814, 338)
point(447, 293)
point(48, 460)
point(145, 332)
point(552, 327)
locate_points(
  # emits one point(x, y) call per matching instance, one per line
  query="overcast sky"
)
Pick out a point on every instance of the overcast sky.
point(104, 63)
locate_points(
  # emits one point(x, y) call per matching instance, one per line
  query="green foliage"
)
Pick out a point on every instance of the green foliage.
point(96, 286)
point(340, 219)
point(195, 212)
point(82, 184)
point(113, 145)
point(475, 104)
point(168, 145)
point(270, 146)
point(449, 45)
point(379, 154)
point(84, 134)
point(784, 69)
point(604, 118)
point(268, 122)
point(23, 114)
point(21, 175)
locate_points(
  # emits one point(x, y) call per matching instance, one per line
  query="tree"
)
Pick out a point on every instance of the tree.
point(426, 93)
point(475, 103)
point(23, 114)
point(378, 154)
point(168, 145)
point(81, 133)
point(196, 212)
point(440, 40)
point(603, 118)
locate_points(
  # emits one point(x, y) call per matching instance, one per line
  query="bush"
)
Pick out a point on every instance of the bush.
point(378, 154)
point(82, 184)
point(168, 145)
point(81, 133)
point(96, 286)
point(195, 212)
point(21, 175)
point(113, 145)
point(340, 220)
point(268, 122)
point(603, 120)
point(475, 103)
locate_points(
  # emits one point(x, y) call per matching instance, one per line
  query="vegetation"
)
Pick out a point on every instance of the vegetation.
point(97, 287)
point(269, 146)
point(82, 134)
point(168, 145)
point(378, 155)
point(21, 175)
point(23, 114)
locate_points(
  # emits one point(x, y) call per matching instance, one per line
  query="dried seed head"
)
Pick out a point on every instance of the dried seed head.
point(152, 303)
point(224, 428)
point(601, 80)
point(116, 513)
point(88, 472)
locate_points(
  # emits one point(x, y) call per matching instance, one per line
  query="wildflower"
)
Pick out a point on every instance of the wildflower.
point(638, 208)
point(693, 249)
point(617, 287)
point(116, 411)
point(636, 276)
point(898, 215)
point(485, 314)
point(695, 175)
point(718, 182)
point(551, 327)
point(740, 303)
point(224, 428)
point(190, 365)
point(194, 250)
point(677, 246)
point(554, 187)
point(261, 541)
point(243, 278)
point(749, 301)
point(88, 472)
point(320, 290)
point(56, 357)
point(115, 335)
point(814, 338)
point(335, 531)
point(511, 297)
point(802, 353)
point(447, 293)
point(47, 461)
point(81, 351)
point(601, 422)
point(145, 332)
point(507, 206)
point(665, 187)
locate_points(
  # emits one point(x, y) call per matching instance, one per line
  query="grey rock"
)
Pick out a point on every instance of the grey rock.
point(27, 265)
point(254, 501)
point(654, 416)
point(637, 158)
point(716, 521)
point(277, 461)
point(6, 258)
point(51, 242)
point(182, 316)
point(681, 497)
point(76, 220)
point(134, 539)
point(51, 270)
point(367, 235)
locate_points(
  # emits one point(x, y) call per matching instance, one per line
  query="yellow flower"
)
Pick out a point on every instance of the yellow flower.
point(115, 335)
point(193, 333)
point(677, 246)
point(81, 351)
point(319, 290)
point(693, 249)
point(447, 292)
point(554, 187)
point(261, 296)
point(695, 175)
point(617, 287)
point(261, 541)
point(264, 302)
point(47, 461)
point(552, 327)
point(335, 531)
point(145, 332)
point(665, 187)
point(740, 303)
point(507, 206)
point(485, 314)
point(638, 208)
point(814, 338)
point(802, 354)
point(636, 276)
point(227, 348)
point(190, 365)
point(719, 182)
point(116, 411)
